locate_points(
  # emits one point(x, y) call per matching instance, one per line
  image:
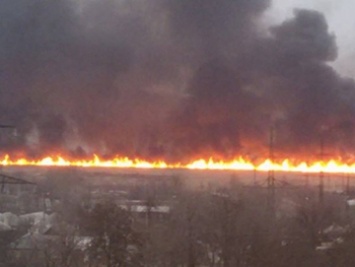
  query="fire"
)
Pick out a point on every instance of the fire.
point(331, 166)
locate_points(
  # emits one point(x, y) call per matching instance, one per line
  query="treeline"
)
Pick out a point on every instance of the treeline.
point(235, 226)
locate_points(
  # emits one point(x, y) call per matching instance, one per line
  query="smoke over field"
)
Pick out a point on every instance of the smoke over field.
point(171, 79)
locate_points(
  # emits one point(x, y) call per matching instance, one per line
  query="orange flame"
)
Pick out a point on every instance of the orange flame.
point(331, 166)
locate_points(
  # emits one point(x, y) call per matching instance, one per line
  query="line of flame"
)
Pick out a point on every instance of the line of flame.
point(331, 166)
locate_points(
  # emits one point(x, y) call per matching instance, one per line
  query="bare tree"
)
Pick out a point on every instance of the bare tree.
point(115, 242)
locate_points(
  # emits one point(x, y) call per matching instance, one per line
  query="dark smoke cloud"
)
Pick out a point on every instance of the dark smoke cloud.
point(169, 79)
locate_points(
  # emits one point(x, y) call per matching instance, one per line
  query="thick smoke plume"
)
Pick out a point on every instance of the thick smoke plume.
point(172, 79)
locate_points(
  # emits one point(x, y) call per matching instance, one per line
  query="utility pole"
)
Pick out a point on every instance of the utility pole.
point(321, 173)
point(271, 174)
point(347, 189)
point(254, 177)
point(7, 126)
point(306, 180)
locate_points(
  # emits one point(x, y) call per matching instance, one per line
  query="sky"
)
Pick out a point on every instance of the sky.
point(341, 21)
point(176, 79)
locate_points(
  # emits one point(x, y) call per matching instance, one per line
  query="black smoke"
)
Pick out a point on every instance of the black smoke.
point(169, 79)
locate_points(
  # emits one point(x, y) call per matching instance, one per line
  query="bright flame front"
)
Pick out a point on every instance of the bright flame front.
point(331, 166)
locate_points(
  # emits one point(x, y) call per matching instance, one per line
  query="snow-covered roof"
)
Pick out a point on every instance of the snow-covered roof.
point(10, 219)
point(39, 221)
point(37, 241)
point(324, 246)
point(32, 241)
point(37, 217)
point(145, 208)
point(335, 229)
point(4, 227)
point(351, 202)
